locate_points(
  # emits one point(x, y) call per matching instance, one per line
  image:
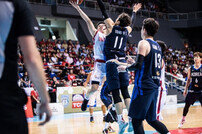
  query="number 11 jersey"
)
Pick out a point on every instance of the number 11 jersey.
point(115, 43)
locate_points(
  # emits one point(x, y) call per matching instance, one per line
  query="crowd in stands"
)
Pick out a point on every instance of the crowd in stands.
point(155, 5)
point(178, 61)
point(68, 64)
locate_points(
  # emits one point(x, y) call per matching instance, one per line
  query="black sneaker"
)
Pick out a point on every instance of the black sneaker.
point(91, 119)
point(84, 105)
point(105, 131)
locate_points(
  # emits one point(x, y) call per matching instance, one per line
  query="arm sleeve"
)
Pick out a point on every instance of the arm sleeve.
point(137, 65)
point(133, 18)
point(103, 9)
point(24, 19)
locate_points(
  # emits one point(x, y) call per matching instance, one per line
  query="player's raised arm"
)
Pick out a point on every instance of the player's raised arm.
point(136, 8)
point(108, 21)
point(88, 21)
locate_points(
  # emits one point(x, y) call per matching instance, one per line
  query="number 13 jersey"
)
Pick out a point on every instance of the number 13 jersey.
point(148, 77)
point(115, 43)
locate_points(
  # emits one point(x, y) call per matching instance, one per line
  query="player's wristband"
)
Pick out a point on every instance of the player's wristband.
point(133, 18)
point(102, 8)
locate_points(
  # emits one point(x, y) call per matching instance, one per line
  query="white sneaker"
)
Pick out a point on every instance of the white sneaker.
point(130, 127)
point(122, 127)
point(181, 123)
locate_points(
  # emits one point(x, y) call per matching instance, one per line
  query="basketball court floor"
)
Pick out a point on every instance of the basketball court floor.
point(79, 123)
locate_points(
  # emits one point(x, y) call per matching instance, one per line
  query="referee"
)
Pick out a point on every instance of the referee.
point(16, 28)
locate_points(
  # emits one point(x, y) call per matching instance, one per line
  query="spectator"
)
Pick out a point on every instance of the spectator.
point(71, 76)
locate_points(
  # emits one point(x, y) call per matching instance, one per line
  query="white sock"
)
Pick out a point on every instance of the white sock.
point(106, 125)
point(120, 117)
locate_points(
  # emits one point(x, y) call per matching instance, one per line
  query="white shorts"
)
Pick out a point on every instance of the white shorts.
point(161, 102)
point(99, 72)
point(95, 98)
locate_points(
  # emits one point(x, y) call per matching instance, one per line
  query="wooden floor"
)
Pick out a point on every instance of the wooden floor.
point(78, 123)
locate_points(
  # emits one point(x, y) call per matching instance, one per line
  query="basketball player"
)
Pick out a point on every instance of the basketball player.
point(147, 80)
point(100, 66)
point(117, 36)
point(194, 84)
point(162, 93)
point(16, 27)
point(91, 102)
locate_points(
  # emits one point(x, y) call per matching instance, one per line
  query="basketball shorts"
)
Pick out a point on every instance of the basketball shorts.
point(99, 72)
point(191, 98)
point(95, 100)
point(12, 115)
point(143, 106)
point(161, 102)
point(105, 96)
point(115, 79)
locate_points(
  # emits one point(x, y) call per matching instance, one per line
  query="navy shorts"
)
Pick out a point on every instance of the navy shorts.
point(191, 98)
point(143, 104)
point(116, 80)
point(105, 95)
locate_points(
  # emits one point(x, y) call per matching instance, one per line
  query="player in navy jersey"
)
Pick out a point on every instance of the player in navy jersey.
point(147, 80)
point(193, 86)
point(116, 39)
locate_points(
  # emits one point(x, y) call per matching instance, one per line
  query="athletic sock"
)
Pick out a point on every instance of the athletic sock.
point(106, 125)
point(120, 117)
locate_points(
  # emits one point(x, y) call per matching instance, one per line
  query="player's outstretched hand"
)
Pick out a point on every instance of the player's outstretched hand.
point(130, 60)
point(121, 68)
point(185, 93)
point(74, 4)
point(44, 109)
point(137, 7)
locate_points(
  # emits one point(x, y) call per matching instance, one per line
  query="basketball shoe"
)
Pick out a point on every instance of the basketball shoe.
point(181, 123)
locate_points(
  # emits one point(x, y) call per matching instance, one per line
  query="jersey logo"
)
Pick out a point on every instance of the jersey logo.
point(155, 47)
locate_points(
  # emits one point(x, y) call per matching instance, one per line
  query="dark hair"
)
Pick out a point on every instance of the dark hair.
point(100, 22)
point(198, 54)
point(162, 45)
point(124, 20)
point(151, 26)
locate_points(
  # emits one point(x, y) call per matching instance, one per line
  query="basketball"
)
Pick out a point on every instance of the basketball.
point(77, 1)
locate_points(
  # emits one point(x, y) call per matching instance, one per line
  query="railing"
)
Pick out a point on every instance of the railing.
point(175, 82)
point(117, 9)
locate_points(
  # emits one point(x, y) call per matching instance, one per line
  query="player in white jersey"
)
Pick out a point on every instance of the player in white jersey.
point(162, 95)
point(99, 66)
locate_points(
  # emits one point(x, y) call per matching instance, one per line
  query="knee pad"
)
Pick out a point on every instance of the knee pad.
point(125, 93)
point(116, 96)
